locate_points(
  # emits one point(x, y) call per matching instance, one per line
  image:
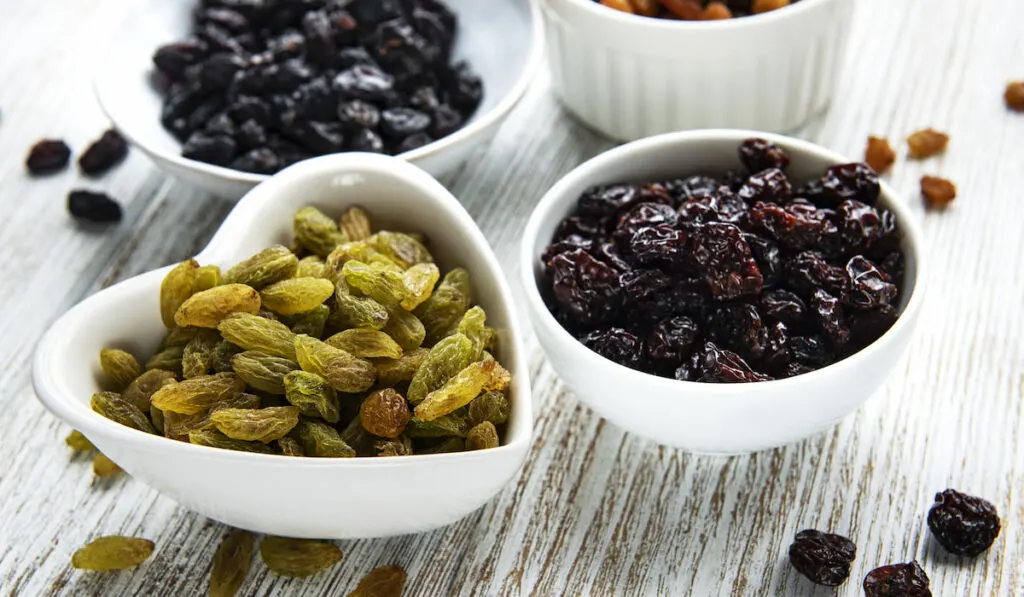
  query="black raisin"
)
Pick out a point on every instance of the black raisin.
point(357, 114)
point(769, 185)
point(725, 261)
point(104, 153)
point(642, 215)
point(364, 82)
point(964, 525)
point(670, 341)
point(739, 328)
point(868, 286)
point(585, 288)
point(830, 317)
point(759, 154)
point(261, 160)
point(718, 365)
point(413, 142)
point(824, 558)
point(897, 580)
point(399, 123)
point(217, 149)
point(855, 181)
point(366, 140)
point(616, 344)
point(94, 208)
point(47, 156)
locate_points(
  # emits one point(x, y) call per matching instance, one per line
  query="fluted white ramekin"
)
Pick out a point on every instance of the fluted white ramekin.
point(630, 76)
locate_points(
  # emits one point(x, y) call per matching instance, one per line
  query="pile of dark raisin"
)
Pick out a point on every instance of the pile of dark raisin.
point(734, 279)
point(261, 85)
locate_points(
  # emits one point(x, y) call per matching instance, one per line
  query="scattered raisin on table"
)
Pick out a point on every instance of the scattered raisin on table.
point(745, 278)
point(897, 580)
point(937, 192)
point(48, 156)
point(964, 525)
point(104, 153)
point(926, 143)
point(1014, 96)
point(96, 208)
point(822, 557)
point(879, 154)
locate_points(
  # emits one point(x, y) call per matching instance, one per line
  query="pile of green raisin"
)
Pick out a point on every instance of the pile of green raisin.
point(347, 344)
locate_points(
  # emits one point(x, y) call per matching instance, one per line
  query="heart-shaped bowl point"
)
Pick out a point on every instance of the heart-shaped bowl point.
point(299, 497)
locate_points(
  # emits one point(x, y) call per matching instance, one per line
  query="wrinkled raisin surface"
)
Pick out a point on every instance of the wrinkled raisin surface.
point(964, 525)
point(897, 580)
point(92, 207)
point(822, 557)
point(104, 153)
point(47, 156)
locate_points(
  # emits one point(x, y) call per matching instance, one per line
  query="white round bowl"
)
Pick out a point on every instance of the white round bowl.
point(706, 417)
point(501, 39)
point(630, 76)
point(298, 497)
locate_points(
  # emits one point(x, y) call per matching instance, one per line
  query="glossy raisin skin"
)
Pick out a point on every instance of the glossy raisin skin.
point(47, 156)
point(822, 557)
point(897, 580)
point(964, 525)
point(747, 277)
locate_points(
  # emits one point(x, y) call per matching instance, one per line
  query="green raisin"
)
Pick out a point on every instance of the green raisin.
point(179, 426)
point(311, 323)
point(391, 372)
point(231, 563)
point(193, 395)
point(104, 467)
point(261, 424)
point(404, 328)
point(358, 438)
point(179, 336)
point(207, 308)
point(119, 367)
point(216, 439)
point(461, 389)
point(384, 413)
point(442, 310)
point(296, 295)
point(177, 286)
point(419, 282)
point(290, 446)
point(141, 390)
point(112, 553)
point(342, 254)
point(264, 268)
point(311, 266)
point(449, 445)
point(482, 437)
point(343, 371)
point(298, 557)
point(358, 312)
point(78, 442)
point(157, 417)
point(313, 395)
point(385, 581)
point(366, 343)
point(262, 371)
point(222, 356)
point(355, 223)
point(113, 407)
point(168, 359)
point(450, 425)
point(492, 406)
point(316, 232)
point(384, 284)
point(321, 440)
point(404, 249)
point(444, 361)
point(207, 277)
point(400, 446)
point(252, 332)
point(474, 325)
point(268, 314)
point(198, 357)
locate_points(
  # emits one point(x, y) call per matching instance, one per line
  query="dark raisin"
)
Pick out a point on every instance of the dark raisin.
point(725, 261)
point(356, 114)
point(565, 245)
point(173, 59)
point(869, 287)
point(682, 189)
point(738, 327)
point(734, 179)
point(364, 82)
point(366, 140)
point(639, 285)
point(578, 226)
point(860, 225)
point(759, 154)
point(445, 121)
point(349, 57)
point(250, 135)
point(811, 350)
point(435, 28)
point(868, 326)
point(777, 355)
point(690, 370)
point(784, 306)
point(964, 525)
point(250, 108)
point(893, 265)
point(808, 271)
point(769, 185)
point(318, 137)
point(316, 100)
point(768, 258)
point(616, 344)
point(403, 51)
point(221, 124)
point(399, 123)
point(731, 208)
point(699, 209)
point(796, 226)
point(855, 181)
point(822, 557)
point(261, 160)
point(47, 156)
point(830, 317)
point(605, 201)
point(225, 18)
point(290, 44)
point(611, 254)
point(718, 365)
point(465, 90)
point(642, 215)
point(660, 245)
point(217, 150)
point(584, 287)
point(372, 12)
point(812, 191)
point(670, 341)
point(104, 153)
point(413, 142)
point(897, 580)
point(795, 368)
point(319, 33)
point(94, 208)
point(425, 98)
point(218, 71)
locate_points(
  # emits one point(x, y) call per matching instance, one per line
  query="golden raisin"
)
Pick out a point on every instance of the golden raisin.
point(716, 11)
point(938, 192)
point(926, 143)
point(1014, 96)
point(384, 413)
point(689, 10)
point(647, 8)
point(760, 6)
point(879, 154)
point(622, 5)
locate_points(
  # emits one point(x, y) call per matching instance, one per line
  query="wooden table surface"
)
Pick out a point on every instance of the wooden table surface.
point(595, 510)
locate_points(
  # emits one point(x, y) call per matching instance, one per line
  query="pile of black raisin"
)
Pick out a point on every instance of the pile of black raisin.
point(263, 84)
point(734, 279)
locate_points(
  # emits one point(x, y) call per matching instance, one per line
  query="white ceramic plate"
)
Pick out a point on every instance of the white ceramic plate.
point(706, 417)
point(299, 497)
point(500, 38)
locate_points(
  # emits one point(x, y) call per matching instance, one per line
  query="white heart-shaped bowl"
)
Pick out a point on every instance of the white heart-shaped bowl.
point(706, 417)
point(501, 39)
point(299, 497)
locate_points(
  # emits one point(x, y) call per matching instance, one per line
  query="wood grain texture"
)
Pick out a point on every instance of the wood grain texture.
point(594, 511)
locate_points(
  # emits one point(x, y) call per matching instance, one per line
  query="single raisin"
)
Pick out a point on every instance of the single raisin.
point(926, 143)
point(964, 525)
point(616, 344)
point(897, 580)
point(584, 287)
point(759, 154)
point(104, 153)
point(718, 365)
point(92, 207)
point(824, 558)
point(769, 185)
point(47, 156)
point(725, 260)
point(849, 181)
point(938, 192)
point(879, 154)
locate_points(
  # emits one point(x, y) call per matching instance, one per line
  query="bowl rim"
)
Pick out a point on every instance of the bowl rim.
point(45, 371)
point(588, 173)
point(641, 21)
point(486, 120)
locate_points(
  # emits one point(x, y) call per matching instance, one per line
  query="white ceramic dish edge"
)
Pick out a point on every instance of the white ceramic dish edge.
point(329, 498)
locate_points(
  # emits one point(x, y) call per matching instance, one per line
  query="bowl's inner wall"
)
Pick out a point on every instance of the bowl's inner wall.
point(713, 157)
point(495, 37)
